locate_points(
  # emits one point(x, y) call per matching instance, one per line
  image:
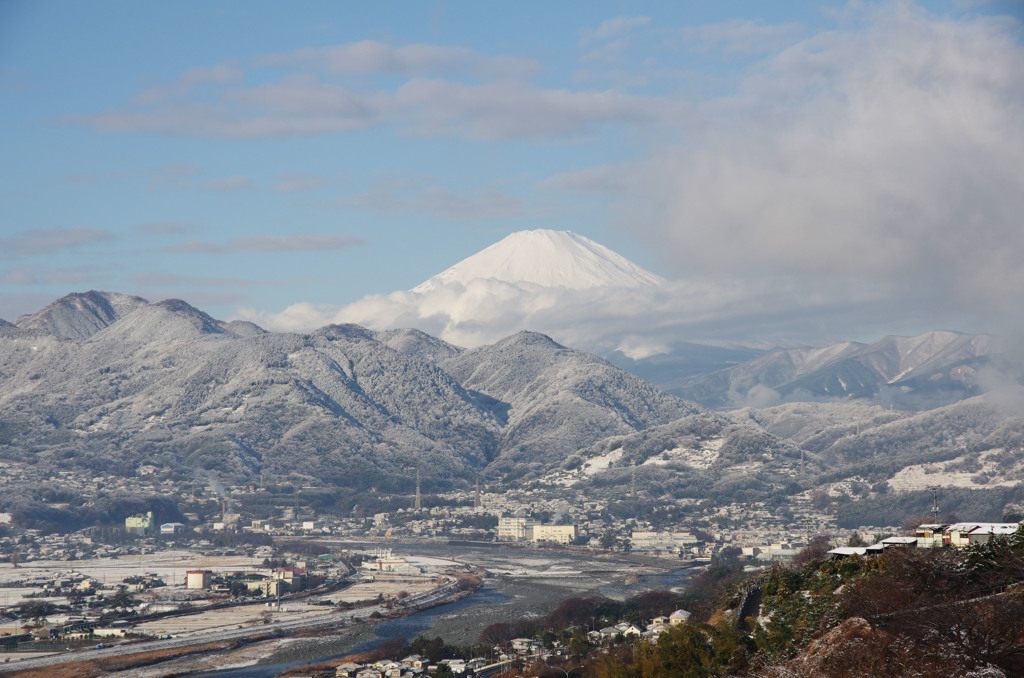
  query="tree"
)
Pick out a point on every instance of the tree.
point(123, 599)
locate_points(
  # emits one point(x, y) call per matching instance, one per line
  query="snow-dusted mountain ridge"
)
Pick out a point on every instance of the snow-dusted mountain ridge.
point(549, 259)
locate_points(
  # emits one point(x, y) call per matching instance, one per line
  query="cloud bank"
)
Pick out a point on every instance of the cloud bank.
point(883, 157)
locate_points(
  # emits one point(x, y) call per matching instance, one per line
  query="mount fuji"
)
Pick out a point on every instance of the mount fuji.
point(559, 283)
point(558, 259)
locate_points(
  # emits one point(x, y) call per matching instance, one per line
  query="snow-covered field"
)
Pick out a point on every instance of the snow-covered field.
point(924, 476)
point(170, 566)
point(698, 459)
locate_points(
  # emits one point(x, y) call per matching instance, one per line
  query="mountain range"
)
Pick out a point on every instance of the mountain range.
point(929, 370)
point(108, 384)
point(112, 382)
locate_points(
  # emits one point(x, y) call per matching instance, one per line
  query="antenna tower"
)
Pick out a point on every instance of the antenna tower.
point(632, 485)
point(935, 503)
point(417, 489)
point(476, 502)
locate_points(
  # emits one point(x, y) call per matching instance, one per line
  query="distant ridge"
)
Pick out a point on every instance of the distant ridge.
point(932, 369)
point(549, 259)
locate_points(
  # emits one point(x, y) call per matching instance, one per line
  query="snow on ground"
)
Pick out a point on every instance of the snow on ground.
point(698, 459)
point(170, 566)
point(924, 476)
point(432, 564)
point(601, 463)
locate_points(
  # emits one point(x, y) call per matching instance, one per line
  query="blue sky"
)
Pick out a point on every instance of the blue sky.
point(248, 156)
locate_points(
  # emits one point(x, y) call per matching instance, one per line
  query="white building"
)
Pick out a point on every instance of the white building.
point(511, 528)
point(561, 534)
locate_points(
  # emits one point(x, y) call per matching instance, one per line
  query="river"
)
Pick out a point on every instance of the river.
point(525, 583)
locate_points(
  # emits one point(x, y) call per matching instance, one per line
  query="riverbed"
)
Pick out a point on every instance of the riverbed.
point(520, 583)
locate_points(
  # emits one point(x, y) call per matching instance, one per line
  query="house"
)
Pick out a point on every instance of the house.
point(679, 617)
point(654, 630)
point(628, 630)
point(984, 532)
point(347, 670)
point(414, 660)
point(523, 645)
point(841, 552)
point(929, 535)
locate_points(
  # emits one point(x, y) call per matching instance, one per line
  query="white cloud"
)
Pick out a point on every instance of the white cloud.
point(602, 180)
point(599, 320)
point(164, 279)
point(187, 82)
point(46, 241)
point(882, 159)
point(172, 176)
point(400, 193)
point(307, 104)
point(228, 184)
point(165, 228)
point(297, 182)
point(300, 242)
point(37, 275)
point(369, 57)
point(518, 110)
point(613, 27)
point(740, 36)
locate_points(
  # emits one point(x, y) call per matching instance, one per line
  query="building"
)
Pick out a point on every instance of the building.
point(560, 534)
point(198, 579)
point(679, 617)
point(511, 528)
point(929, 535)
point(172, 528)
point(139, 524)
point(982, 533)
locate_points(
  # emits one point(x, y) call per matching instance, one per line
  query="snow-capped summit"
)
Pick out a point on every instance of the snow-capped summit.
point(547, 258)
